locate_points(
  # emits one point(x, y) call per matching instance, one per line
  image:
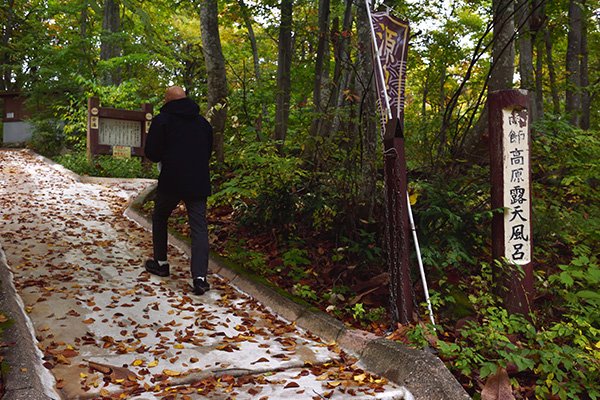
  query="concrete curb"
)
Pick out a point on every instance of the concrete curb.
point(422, 373)
point(26, 378)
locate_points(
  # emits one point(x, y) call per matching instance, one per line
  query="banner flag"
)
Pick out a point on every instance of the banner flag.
point(390, 49)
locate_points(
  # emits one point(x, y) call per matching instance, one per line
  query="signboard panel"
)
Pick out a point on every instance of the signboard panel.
point(117, 132)
point(515, 156)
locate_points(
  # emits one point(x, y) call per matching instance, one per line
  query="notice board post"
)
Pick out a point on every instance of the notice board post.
point(117, 132)
point(509, 128)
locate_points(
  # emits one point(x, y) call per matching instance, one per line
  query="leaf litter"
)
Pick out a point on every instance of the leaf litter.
point(105, 327)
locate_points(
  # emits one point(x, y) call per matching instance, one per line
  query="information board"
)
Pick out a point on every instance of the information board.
point(117, 132)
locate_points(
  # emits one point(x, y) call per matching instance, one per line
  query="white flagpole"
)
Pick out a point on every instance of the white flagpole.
point(423, 280)
point(379, 67)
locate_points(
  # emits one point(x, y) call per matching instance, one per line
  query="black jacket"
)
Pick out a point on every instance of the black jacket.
point(181, 140)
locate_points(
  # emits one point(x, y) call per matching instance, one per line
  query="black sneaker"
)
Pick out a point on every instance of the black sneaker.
point(155, 268)
point(201, 285)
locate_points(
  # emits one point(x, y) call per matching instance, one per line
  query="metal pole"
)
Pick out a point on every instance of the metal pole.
point(418, 250)
point(379, 67)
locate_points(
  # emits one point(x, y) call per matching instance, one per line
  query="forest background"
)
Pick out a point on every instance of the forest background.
point(298, 167)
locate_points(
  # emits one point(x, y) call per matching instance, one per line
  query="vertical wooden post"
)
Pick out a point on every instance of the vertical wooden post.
point(147, 109)
point(93, 125)
point(509, 122)
point(398, 229)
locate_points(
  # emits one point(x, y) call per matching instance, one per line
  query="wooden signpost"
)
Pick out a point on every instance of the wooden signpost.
point(509, 125)
point(390, 49)
point(121, 133)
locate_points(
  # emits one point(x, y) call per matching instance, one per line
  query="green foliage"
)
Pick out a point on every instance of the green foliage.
point(5, 323)
point(254, 261)
point(305, 291)
point(107, 166)
point(564, 355)
point(296, 260)
point(265, 188)
point(48, 137)
point(454, 213)
point(566, 189)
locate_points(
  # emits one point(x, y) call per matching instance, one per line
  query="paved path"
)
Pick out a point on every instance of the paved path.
point(107, 329)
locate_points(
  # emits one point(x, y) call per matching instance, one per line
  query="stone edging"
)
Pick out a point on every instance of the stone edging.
point(26, 378)
point(421, 372)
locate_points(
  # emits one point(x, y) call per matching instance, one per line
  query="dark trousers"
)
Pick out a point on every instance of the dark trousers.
point(196, 210)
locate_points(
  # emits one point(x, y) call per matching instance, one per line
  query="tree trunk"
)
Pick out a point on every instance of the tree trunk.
point(503, 52)
point(367, 125)
point(500, 77)
point(573, 65)
point(252, 37)
point(552, 73)
point(523, 16)
point(584, 123)
point(284, 64)
point(215, 71)
point(5, 61)
point(341, 72)
point(320, 70)
point(109, 45)
point(537, 22)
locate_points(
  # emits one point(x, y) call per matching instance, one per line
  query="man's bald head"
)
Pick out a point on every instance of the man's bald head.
point(174, 93)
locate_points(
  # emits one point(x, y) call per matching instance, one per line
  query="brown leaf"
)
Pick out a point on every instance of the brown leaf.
point(291, 385)
point(117, 374)
point(497, 387)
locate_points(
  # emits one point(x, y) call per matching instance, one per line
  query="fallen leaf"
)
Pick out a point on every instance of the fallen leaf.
point(497, 387)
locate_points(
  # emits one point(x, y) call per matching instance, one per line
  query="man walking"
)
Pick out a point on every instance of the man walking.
point(180, 140)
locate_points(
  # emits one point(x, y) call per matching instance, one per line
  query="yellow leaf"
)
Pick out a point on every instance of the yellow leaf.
point(178, 346)
point(413, 198)
point(152, 363)
point(359, 378)
point(104, 393)
point(82, 375)
point(137, 362)
point(169, 372)
point(334, 384)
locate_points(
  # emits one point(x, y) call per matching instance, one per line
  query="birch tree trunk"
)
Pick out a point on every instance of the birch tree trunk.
point(216, 74)
point(284, 63)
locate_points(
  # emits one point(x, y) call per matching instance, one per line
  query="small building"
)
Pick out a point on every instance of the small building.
point(16, 128)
